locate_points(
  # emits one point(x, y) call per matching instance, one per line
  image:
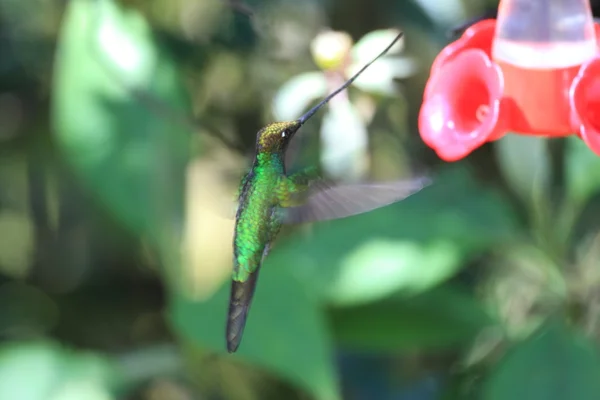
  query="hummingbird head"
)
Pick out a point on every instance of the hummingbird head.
point(275, 137)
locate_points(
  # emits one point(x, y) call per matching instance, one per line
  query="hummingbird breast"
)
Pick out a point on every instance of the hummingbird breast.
point(256, 223)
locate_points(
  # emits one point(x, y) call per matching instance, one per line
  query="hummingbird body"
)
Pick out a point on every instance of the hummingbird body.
point(263, 191)
point(256, 219)
point(269, 198)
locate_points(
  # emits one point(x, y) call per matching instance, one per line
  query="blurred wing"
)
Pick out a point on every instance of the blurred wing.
point(327, 202)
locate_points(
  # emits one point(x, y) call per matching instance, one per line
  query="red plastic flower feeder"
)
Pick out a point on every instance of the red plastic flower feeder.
point(534, 71)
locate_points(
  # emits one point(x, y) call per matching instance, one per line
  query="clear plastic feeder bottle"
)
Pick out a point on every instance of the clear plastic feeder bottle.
point(540, 45)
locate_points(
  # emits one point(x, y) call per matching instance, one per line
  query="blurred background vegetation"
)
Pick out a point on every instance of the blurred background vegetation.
point(125, 127)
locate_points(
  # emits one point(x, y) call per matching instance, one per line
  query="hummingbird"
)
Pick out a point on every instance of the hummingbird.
point(269, 198)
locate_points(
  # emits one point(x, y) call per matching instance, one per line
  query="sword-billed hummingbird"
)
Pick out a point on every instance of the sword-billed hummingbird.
point(268, 199)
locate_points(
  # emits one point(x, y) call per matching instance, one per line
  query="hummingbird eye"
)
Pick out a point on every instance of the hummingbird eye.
point(285, 133)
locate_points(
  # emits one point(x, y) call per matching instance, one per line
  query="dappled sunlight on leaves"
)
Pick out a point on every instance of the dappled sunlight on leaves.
point(126, 127)
point(132, 158)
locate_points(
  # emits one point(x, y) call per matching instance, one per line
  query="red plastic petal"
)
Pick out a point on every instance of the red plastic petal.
point(463, 107)
point(597, 31)
point(478, 36)
point(585, 103)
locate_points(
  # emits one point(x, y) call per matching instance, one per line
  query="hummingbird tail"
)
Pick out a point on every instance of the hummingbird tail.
point(239, 305)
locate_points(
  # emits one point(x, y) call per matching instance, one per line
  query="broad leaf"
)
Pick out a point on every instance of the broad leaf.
point(115, 92)
point(555, 363)
point(441, 317)
point(409, 246)
point(525, 164)
point(286, 331)
point(582, 171)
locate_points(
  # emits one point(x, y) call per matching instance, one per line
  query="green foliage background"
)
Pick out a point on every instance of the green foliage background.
point(125, 127)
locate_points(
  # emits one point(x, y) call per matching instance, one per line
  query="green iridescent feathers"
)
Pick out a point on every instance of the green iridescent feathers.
point(254, 225)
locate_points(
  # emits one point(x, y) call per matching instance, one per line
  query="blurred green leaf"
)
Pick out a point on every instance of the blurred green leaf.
point(26, 309)
point(582, 171)
point(17, 244)
point(113, 85)
point(409, 246)
point(30, 46)
point(440, 317)
point(556, 363)
point(45, 371)
point(286, 331)
point(297, 94)
point(525, 164)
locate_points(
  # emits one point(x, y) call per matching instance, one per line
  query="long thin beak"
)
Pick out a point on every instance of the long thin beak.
point(316, 108)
